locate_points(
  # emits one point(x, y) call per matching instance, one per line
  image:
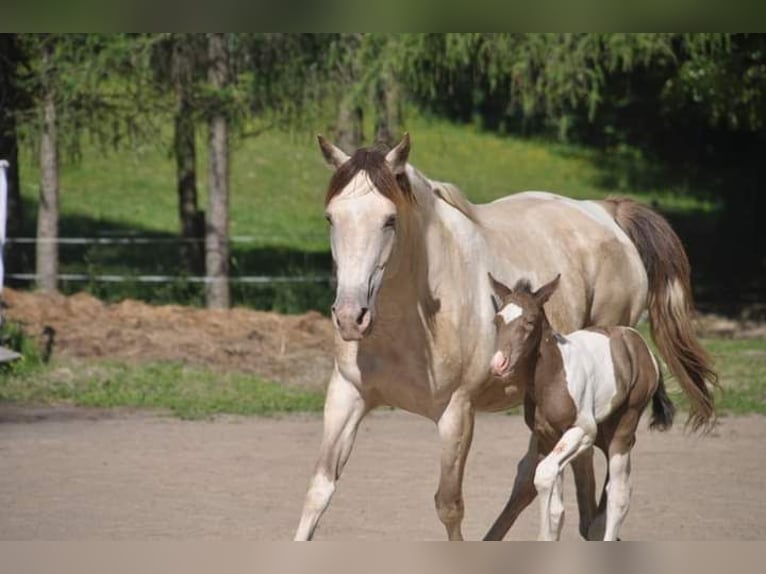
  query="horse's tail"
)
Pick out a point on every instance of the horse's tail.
point(663, 410)
point(670, 305)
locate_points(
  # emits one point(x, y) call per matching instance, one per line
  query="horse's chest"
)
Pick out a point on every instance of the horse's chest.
point(407, 370)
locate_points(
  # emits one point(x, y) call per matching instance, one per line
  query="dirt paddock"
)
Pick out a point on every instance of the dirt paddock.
point(81, 474)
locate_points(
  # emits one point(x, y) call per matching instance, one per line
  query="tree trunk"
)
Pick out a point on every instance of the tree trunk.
point(388, 110)
point(217, 228)
point(348, 130)
point(186, 163)
point(9, 149)
point(48, 209)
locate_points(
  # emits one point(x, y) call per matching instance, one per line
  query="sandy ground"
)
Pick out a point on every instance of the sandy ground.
point(80, 474)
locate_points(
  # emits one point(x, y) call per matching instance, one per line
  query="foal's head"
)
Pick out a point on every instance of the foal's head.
point(519, 322)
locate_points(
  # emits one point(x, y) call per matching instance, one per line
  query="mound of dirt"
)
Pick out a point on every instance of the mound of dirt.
point(294, 349)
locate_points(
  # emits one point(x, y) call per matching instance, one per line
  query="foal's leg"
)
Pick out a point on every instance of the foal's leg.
point(524, 491)
point(343, 410)
point(557, 506)
point(617, 493)
point(455, 431)
point(585, 485)
point(574, 441)
point(522, 495)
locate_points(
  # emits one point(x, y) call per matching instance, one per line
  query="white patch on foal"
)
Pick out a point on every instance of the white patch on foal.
point(589, 368)
point(510, 312)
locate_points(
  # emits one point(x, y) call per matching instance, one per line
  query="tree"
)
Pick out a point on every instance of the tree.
point(217, 225)
point(48, 209)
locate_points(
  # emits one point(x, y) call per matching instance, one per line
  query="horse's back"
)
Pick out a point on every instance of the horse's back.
point(603, 278)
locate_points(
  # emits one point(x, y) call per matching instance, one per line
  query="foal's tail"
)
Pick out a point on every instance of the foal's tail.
point(663, 410)
point(671, 305)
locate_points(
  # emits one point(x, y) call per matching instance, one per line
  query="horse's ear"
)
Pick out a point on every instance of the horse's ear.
point(397, 157)
point(333, 155)
point(544, 293)
point(500, 289)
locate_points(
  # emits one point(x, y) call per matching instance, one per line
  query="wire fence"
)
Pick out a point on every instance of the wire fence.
point(161, 278)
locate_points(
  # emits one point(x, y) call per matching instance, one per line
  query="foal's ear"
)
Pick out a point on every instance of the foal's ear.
point(544, 293)
point(397, 157)
point(501, 289)
point(333, 155)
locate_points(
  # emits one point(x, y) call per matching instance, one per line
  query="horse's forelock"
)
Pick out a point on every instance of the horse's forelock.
point(372, 160)
point(523, 286)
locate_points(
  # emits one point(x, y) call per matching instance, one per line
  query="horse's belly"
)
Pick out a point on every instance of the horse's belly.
point(497, 397)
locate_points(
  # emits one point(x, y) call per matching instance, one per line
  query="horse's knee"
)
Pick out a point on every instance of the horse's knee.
point(618, 496)
point(320, 492)
point(449, 507)
point(545, 476)
point(556, 512)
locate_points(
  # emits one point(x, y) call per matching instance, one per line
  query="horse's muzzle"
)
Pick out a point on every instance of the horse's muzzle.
point(500, 364)
point(352, 321)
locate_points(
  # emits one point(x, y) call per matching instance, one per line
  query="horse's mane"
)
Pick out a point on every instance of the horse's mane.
point(452, 195)
point(372, 160)
point(523, 286)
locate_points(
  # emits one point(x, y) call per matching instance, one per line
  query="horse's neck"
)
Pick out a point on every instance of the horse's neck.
point(429, 250)
point(545, 359)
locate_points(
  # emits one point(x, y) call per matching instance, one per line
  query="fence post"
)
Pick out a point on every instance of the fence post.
point(5, 354)
point(3, 215)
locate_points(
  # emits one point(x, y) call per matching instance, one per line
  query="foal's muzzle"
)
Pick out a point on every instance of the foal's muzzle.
point(500, 364)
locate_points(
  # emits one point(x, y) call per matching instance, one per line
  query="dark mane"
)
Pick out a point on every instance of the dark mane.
point(372, 160)
point(523, 286)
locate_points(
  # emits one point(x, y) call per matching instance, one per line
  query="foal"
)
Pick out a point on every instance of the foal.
point(587, 388)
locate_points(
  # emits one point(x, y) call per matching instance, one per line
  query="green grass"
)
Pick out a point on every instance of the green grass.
point(278, 181)
point(195, 392)
point(741, 366)
point(277, 188)
point(188, 392)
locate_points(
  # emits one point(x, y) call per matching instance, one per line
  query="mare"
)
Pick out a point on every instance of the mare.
point(413, 309)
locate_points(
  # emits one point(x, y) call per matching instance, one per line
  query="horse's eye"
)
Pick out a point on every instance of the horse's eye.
point(328, 218)
point(390, 222)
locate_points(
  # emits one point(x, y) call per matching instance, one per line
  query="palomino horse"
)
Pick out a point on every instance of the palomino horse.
point(413, 309)
point(588, 387)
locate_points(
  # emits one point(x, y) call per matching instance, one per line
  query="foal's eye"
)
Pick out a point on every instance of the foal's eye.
point(390, 222)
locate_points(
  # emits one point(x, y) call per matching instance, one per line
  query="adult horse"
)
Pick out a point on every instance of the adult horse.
point(413, 309)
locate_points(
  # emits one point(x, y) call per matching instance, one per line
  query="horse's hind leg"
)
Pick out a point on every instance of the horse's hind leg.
point(455, 431)
point(522, 495)
point(617, 493)
point(585, 485)
point(343, 410)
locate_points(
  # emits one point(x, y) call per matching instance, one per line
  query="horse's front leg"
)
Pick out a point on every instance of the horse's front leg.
point(455, 431)
point(344, 408)
point(524, 491)
point(522, 495)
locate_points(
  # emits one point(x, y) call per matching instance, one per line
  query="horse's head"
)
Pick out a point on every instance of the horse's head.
point(519, 321)
point(365, 196)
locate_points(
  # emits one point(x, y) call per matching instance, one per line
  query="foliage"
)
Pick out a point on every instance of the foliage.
point(99, 82)
point(12, 337)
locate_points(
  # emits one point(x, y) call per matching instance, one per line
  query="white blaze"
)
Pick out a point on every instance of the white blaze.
point(510, 312)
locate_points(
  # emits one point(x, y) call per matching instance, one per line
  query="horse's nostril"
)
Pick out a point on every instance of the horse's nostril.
point(360, 318)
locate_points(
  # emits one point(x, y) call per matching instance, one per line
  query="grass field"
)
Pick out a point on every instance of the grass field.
point(194, 392)
point(277, 189)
